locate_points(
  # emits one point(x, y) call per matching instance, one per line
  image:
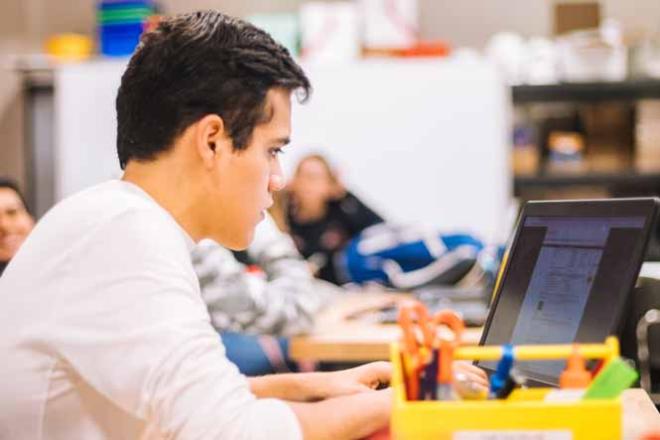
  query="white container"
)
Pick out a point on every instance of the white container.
point(330, 32)
point(390, 24)
point(541, 62)
point(585, 57)
point(507, 51)
point(648, 59)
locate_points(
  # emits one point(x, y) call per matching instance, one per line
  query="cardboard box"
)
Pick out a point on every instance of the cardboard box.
point(572, 16)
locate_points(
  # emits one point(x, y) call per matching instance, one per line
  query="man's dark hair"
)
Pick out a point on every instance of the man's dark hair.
point(194, 65)
point(11, 184)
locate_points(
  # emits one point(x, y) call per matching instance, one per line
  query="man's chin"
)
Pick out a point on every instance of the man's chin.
point(236, 242)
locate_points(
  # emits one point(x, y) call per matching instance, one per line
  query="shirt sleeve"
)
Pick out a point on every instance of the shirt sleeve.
point(138, 333)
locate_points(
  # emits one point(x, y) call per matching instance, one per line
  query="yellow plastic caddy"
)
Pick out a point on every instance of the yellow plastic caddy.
point(524, 415)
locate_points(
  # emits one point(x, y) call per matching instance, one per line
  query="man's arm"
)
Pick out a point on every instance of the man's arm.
point(309, 387)
point(334, 405)
point(345, 417)
point(352, 408)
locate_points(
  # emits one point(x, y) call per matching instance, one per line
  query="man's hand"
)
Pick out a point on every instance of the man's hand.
point(345, 417)
point(468, 379)
point(473, 373)
point(373, 375)
point(366, 377)
point(309, 387)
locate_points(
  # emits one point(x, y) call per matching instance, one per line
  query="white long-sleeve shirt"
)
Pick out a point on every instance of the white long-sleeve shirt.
point(104, 335)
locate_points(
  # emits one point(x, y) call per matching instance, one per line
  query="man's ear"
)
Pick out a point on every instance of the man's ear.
point(209, 137)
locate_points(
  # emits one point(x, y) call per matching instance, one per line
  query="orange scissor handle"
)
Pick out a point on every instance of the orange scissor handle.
point(446, 360)
point(413, 314)
point(455, 323)
point(452, 320)
point(408, 336)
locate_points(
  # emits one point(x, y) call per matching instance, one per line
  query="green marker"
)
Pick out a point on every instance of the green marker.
point(615, 377)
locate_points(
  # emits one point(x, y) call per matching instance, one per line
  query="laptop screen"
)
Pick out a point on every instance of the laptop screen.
point(567, 279)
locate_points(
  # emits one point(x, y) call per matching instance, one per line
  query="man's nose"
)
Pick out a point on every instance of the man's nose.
point(276, 182)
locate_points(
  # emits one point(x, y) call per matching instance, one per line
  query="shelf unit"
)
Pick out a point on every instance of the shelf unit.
point(627, 178)
point(587, 92)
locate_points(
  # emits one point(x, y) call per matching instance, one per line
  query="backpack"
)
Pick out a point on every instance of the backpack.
point(405, 257)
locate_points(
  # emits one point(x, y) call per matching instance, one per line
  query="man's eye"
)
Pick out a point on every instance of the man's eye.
point(276, 151)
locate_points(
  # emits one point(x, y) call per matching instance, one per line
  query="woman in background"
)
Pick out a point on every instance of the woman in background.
point(15, 221)
point(322, 216)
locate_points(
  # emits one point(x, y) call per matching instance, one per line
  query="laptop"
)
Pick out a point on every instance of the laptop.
point(570, 269)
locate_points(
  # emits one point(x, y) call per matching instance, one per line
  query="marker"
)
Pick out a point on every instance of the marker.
point(429, 381)
point(575, 375)
point(615, 377)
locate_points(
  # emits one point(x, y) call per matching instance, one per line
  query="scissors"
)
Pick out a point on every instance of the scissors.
point(445, 350)
point(413, 319)
point(427, 366)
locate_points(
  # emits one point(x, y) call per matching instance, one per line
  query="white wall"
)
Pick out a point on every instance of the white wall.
point(422, 141)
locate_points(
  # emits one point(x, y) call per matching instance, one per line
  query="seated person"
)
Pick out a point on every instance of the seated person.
point(105, 334)
point(278, 297)
point(15, 221)
point(322, 216)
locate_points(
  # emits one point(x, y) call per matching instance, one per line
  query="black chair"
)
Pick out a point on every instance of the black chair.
point(647, 350)
point(641, 335)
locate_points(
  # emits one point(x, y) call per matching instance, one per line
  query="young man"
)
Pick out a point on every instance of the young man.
point(15, 221)
point(104, 332)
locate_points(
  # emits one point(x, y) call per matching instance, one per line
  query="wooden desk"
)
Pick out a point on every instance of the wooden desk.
point(339, 339)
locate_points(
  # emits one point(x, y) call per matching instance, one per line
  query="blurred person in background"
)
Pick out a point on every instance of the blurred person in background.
point(323, 216)
point(15, 221)
point(259, 297)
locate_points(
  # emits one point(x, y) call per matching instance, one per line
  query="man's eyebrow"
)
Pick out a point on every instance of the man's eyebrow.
point(11, 208)
point(13, 205)
point(282, 141)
